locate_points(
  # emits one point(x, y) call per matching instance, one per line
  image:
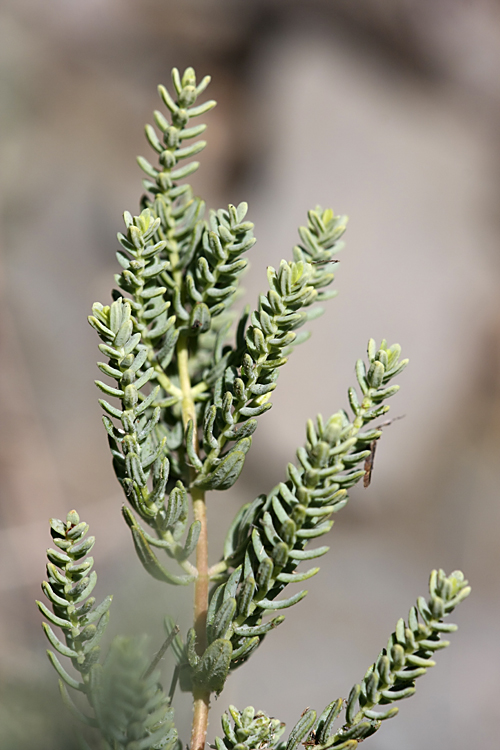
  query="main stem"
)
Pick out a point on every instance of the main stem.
point(201, 698)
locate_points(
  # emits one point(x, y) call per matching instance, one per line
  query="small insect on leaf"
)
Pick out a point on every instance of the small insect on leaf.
point(369, 461)
point(311, 740)
point(368, 467)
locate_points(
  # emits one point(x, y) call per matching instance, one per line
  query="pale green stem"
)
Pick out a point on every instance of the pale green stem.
point(166, 383)
point(201, 698)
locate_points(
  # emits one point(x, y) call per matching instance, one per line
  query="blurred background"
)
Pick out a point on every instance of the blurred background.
point(386, 110)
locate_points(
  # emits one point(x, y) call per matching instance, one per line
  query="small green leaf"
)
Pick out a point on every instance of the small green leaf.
point(301, 729)
point(214, 665)
point(57, 644)
point(147, 556)
point(227, 471)
point(63, 674)
point(281, 603)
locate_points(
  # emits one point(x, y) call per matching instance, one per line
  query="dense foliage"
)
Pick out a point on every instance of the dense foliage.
point(188, 383)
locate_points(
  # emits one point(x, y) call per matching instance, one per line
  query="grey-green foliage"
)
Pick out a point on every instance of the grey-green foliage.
point(70, 583)
point(235, 389)
point(269, 537)
point(408, 655)
point(180, 276)
point(186, 382)
point(250, 370)
point(248, 730)
point(132, 710)
point(125, 702)
point(139, 450)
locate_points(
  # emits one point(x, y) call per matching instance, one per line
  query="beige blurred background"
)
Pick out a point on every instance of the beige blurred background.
point(387, 110)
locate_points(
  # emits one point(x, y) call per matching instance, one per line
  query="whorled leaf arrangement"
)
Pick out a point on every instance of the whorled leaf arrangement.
point(186, 384)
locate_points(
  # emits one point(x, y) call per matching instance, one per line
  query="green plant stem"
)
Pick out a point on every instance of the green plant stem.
point(188, 408)
point(201, 698)
point(165, 382)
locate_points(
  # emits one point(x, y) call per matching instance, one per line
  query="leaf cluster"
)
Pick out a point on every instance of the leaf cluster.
point(70, 583)
point(408, 655)
point(169, 323)
point(126, 702)
point(269, 538)
point(248, 729)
